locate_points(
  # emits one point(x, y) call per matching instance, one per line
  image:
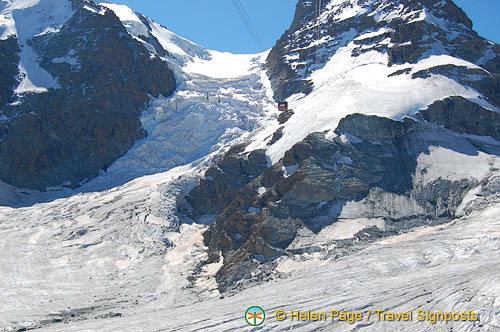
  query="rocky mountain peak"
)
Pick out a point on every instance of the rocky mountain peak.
point(82, 83)
point(407, 30)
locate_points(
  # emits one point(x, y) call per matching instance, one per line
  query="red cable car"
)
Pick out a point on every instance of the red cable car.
point(283, 106)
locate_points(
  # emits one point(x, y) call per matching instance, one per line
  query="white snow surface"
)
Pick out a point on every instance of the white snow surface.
point(180, 49)
point(220, 99)
point(25, 19)
point(98, 253)
point(124, 13)
point(348, 84)
point(222, 65)
point(8, 194)
point(208, 112)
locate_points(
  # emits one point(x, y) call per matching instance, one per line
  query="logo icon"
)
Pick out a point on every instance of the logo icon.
point(255, 316)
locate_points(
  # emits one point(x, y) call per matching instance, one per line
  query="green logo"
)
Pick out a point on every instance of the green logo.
point(255, 316)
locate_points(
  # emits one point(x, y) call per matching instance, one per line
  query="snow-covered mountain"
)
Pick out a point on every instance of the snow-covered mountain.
point(387, 58)
point(395, 121)
point(108, 65)
point(378, 190)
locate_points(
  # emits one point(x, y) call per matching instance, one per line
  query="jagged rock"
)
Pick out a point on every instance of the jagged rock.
point(65, 136)
point(285, 116)
point(371, 157)
point(298, 52)
point(372, 162)
point(276, 136)
point(9, 60)
point(463, 116)
point(222, 181)
point(489, 86)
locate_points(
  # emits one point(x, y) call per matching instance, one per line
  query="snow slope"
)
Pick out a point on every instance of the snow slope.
point(209, 111)
point(453, 267)
point(95, 252)
point(180, 49)
point(87, 250)
point(24, 20)
point(112, 256)
point(363, 84)
point(345, 55)
point(8, 194)
point(220, 99)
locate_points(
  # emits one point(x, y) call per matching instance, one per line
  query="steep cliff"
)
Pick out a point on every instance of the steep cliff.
point(65, 133)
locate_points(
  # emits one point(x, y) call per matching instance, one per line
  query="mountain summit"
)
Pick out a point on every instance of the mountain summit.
point(406, 31)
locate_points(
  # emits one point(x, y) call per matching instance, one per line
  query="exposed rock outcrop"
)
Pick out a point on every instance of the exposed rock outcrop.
point(371, 161)
point(65, 136)
point(463, 116)
point(9, 60)
point(223, 181)
point(407, 31)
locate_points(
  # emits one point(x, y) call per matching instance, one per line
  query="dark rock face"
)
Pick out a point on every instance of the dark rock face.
point(9, 60)
point(276, 136)
point(373, 161)
point(223, 181)
point(463, 116)
point(258, 217)
point(295, 54)
point(285, 116)
point(66, 136)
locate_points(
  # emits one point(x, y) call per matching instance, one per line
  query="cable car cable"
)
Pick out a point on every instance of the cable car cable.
point(251, 24)
point(248, 24)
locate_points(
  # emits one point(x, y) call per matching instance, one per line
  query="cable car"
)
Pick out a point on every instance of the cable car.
point(283, 106)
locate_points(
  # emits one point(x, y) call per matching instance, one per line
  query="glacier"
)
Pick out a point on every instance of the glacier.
point(113, 255)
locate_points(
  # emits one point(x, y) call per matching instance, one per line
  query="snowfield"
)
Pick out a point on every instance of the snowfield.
point(220, 99)
point(363, 84)
point(98, 255)
point(26, 19)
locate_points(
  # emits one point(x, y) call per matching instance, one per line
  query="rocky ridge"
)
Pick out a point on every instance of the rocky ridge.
point(370, 162)
point(406, 30)
point(373, 175)
point(65, 136)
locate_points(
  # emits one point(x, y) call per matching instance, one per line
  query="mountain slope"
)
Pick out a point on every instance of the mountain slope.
point(82, 83)
point(379, 190)
point(384, 95)
point(387, 58)
point(406, 31)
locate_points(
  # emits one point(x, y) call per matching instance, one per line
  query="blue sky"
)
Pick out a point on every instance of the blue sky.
point(215, 24)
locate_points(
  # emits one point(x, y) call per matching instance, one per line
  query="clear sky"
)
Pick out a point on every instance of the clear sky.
point(215, 24)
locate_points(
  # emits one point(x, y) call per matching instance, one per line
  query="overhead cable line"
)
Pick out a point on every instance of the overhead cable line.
point(248, 24)
point(251, 24)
